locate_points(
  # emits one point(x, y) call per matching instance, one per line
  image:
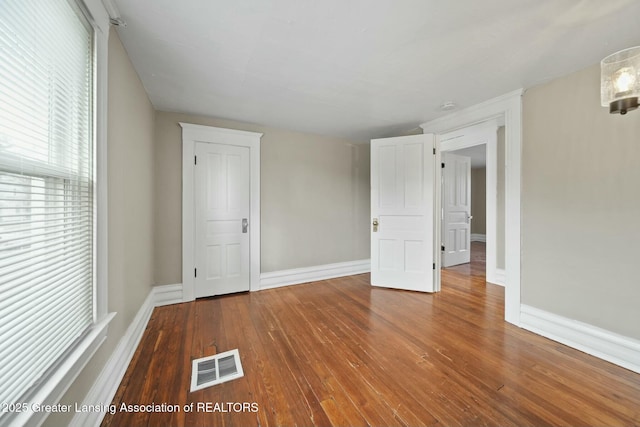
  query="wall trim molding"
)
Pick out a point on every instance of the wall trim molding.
point(295, 276)
point(476, 237)
point(106, 384)
point(498, 278)
point(509, 108)
point(617, 349)
point(167, 294)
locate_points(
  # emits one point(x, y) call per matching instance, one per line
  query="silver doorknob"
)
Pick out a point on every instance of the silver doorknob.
point(375, 224)
point(245, 225)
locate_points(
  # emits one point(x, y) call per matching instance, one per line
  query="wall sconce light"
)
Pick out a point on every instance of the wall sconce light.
point(620, 80)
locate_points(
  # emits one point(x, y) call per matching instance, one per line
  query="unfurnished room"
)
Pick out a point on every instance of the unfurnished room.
point(319, 213)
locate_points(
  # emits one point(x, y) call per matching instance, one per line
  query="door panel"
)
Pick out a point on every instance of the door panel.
point(456, 207)
point(222, 202)
point(402, 204)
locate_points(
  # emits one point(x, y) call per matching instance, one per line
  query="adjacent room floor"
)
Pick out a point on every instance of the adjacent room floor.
point(339, 352)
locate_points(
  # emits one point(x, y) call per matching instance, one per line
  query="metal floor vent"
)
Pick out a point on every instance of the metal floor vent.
point(212, 370)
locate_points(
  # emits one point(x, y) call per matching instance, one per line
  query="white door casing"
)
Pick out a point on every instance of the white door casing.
point(402, 195)
point(222, 211)
point(456, 209)
point(507, 107)
point(191, 135)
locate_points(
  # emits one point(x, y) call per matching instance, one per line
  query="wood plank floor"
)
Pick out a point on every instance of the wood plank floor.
point(341, 353)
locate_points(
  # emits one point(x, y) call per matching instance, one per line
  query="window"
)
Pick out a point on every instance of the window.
point(47, 182)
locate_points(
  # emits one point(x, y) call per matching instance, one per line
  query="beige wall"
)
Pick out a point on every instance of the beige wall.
point(131, 211)
point(314, 197)
point(580, 205)
point(479, 200)
point(500, 198)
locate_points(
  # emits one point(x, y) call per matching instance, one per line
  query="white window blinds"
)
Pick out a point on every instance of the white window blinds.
point(46, 188)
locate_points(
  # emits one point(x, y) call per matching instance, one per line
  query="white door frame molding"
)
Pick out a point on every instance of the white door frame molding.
point(509, 108)
point(198, 133)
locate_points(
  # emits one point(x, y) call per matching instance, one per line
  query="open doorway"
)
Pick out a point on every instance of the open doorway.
point(472, 203)
point(507, 110)
point(464, 216)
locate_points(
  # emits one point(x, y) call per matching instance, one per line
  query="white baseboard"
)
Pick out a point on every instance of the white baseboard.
point(276, 279)
point(499, 277)
point(106, 385)
point(607, 345)
point(475, 237)
point(167, 294)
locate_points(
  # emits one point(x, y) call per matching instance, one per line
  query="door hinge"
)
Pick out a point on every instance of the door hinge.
point(195, 160)
point(434, 151)
point(434, 265)
point(195, 272)
point(443, 166)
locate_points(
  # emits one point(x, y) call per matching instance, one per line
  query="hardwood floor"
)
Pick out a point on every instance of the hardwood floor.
point(341, 353)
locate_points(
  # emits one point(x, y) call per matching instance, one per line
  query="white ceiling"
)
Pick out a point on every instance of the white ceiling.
point(360, 68)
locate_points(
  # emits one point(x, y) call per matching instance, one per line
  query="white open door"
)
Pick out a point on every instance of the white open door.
point(222, 212)
point(402, 203)
point(456, 209)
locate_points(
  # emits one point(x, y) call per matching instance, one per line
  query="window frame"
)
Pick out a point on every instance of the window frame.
point(52, 388)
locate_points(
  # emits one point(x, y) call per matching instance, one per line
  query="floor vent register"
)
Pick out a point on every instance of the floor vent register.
point(212, 370)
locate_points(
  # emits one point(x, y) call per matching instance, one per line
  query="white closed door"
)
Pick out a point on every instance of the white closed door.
point(402, 203)
point(222, 202)
point(456, 209)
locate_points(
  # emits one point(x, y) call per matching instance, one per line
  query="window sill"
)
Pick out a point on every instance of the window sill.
point(51, 390)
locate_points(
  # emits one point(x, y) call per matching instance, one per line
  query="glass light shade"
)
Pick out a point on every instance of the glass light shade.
point(620, 80)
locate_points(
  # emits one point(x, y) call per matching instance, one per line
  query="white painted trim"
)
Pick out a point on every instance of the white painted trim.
point(498, 277)
point(100, 23)
point(198, 133)
point(618, 349)
point(188, 222)
point(276, 279)
point(476, 237)
point(437, 216)
point(106, 384)
point(509, 107)
point(56, 385)
point(167, 295)
point(491, 199)
point(468, 137)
